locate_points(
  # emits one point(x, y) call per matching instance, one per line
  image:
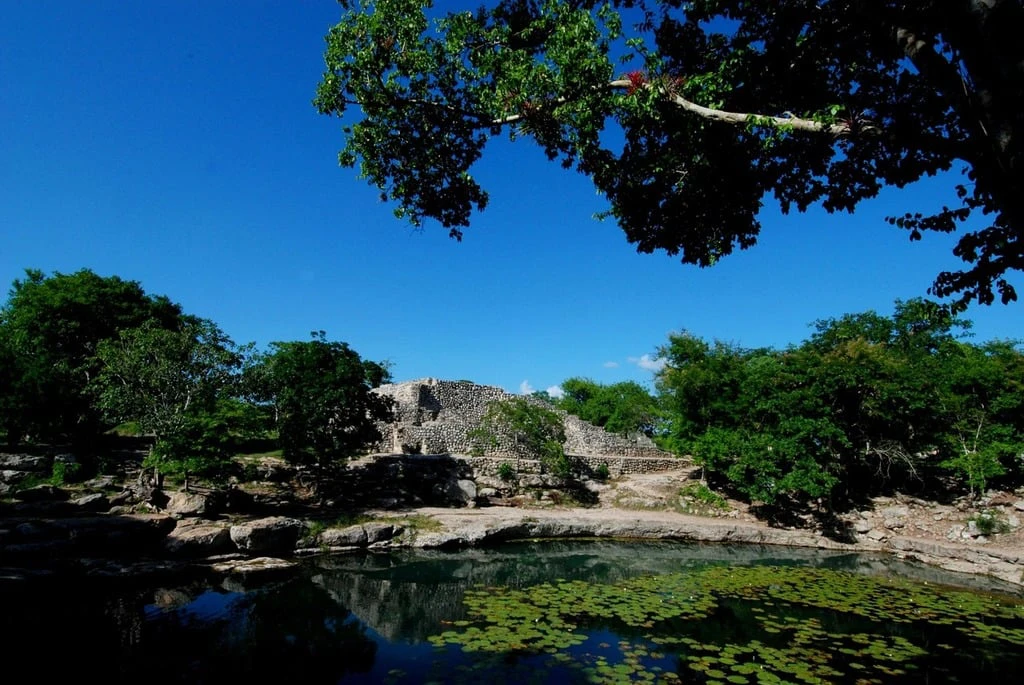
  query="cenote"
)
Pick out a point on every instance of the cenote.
point(534, 612)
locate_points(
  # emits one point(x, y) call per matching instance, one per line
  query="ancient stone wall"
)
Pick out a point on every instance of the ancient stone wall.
point(432, 416)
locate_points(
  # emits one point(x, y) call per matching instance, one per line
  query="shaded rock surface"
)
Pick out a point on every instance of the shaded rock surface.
point(201, 540)
point(259, 565)
point(271, 535)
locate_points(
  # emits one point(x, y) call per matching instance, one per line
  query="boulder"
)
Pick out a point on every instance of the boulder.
point(188, 504)
point(457, 491)
point(379, 532)
point(894, 517)
point(93, 502)
point(100, 483)
point(204, 540)
point(350, 536)
point(271, 535)
point(24, 462)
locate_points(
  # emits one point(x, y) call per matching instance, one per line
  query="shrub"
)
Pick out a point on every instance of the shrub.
point(602, 472)
point(988, 523)
point(506, 472)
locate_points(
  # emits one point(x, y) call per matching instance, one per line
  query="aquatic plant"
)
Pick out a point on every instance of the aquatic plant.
point(804, 625)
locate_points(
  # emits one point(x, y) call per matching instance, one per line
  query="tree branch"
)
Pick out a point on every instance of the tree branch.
point(734, 118)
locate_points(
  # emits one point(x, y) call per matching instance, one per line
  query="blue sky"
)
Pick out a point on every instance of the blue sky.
point(173, 142)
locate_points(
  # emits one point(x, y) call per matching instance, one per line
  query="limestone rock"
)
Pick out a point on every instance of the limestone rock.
point(272, 535)
point(93, 502)
point(189, 504)
point(24, 462)
point(894, 517)
point(204, 540)
point(350, 536)
point(100, 483)
point(259, 565)
point(379, 532)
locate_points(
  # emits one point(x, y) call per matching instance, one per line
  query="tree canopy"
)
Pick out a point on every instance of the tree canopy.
point(320, 391)
point(867, 403)
point(688, 115)
point(169, 382)
point(50, 328)
point(621, 408)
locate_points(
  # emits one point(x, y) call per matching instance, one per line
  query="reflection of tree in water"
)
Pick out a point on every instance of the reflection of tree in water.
point(64, 630)
point(292, 631)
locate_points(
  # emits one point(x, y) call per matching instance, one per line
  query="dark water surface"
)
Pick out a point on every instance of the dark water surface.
point(531, 612)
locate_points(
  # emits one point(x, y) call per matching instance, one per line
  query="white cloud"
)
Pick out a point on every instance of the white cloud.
point(525, 388)
point(611, 365)
point(556, 392)
point(648, 363)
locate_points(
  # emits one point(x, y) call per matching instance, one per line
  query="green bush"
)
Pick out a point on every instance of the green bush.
point(64, 472)
point(602, 472)
point(506, 472)
point(988, 523)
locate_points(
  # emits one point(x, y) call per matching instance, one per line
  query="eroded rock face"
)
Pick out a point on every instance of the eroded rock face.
point(272, 535)
point(350, 536)
point(359, 535)
point(24, 462)
point(189, 504)
point(94, 502)
point(205, 540)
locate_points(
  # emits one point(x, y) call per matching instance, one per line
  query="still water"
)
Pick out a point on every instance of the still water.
point(544, 612)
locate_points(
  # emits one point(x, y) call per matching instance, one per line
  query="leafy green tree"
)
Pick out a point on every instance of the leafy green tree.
point(981, 402)
point(51, 327)
point(866, 404)
point(686, 115)
point(320, 391)
point(624, 408)
point(535, 429)
point(169, 381)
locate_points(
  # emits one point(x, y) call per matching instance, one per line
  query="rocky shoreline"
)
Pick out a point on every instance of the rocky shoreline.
point(161, 545)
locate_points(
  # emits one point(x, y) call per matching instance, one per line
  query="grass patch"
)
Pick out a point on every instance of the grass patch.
point(419, 523)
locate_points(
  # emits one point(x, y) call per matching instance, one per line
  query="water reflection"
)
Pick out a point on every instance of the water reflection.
point(351, 618)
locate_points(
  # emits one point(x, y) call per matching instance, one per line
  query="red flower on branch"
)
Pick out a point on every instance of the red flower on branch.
point(637, 79)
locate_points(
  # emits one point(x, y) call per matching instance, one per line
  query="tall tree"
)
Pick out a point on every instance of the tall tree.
point(320, 391)
point(716, 104)
point(170, 381)
point(52, 326)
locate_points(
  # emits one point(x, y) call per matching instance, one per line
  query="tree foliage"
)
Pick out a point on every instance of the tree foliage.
point(170, 382)
point(687, 115)
point(320, 391)
point(867, 403)
point(50, 328)
point(624, 408)
point(533, 428)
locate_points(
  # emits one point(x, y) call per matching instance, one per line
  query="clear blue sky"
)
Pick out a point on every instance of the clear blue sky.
point(173, 142)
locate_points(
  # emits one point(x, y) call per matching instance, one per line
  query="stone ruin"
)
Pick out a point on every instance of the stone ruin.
point(432, 416)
